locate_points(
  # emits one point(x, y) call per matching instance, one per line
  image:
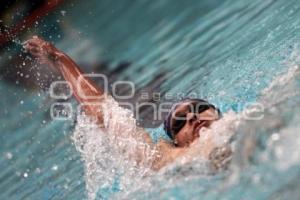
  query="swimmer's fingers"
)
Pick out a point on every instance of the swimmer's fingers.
point(30, 45)
point(44, 51)
point(38, 42)
point(35, 40)
point(39, 54)
point(33, 44)
point(32, 49)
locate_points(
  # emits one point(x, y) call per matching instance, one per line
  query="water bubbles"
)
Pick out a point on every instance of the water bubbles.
point(25, 175)
point(21, 102)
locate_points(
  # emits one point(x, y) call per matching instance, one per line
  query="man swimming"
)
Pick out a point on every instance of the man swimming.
point(183, 123)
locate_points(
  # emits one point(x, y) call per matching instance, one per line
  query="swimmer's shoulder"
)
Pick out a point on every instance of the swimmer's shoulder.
point(167, 153)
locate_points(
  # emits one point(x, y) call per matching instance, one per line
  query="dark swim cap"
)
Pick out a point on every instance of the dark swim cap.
point(203, 106)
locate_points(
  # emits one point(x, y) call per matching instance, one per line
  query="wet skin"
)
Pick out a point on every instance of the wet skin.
point(193, 123)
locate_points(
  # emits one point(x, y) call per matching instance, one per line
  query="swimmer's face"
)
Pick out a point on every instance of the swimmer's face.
point(191, 121)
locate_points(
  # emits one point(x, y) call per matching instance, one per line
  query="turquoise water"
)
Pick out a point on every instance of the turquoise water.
point(227, 52)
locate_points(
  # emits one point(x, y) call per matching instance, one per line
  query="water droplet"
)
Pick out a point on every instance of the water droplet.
point(25, 175)
point(54, 167)
point(22, 102)
point(275, 136)
point(63, 12)
point(37, 170)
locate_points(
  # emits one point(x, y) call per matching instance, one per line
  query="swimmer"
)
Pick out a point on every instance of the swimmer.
point(183, 123)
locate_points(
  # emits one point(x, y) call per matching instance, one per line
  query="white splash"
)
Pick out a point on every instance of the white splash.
point(109, 153)
point(283, 82)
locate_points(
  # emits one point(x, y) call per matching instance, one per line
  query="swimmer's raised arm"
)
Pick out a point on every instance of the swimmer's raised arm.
point(46, 53)
point(82, 87)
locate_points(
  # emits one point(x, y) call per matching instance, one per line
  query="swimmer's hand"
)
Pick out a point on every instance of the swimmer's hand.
point(44, 51)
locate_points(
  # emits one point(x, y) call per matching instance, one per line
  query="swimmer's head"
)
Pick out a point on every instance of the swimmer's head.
point(187, 117)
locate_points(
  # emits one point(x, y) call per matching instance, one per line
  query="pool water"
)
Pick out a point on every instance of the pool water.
point(229, 52)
